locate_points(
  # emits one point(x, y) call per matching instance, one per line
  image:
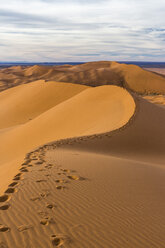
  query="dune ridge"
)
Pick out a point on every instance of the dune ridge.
point(97, 176)
point(143, 140)
point(93, 110)
point(100, 73)
point(115, 192)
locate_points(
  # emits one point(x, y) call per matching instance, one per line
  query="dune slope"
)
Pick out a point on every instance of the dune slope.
point(143, 139)
point(94, 110)
point(92, 74)
point(104, 190)
point(20, 104)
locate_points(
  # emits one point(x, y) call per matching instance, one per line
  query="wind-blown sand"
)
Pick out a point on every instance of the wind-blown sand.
point(100, 182)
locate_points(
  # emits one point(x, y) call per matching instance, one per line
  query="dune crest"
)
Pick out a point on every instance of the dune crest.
point(93, 74)
point(94, 110)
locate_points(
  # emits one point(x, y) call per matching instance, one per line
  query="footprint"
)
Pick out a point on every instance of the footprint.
point(4, 228)
point(13, 184)
point(49, 166)
point(39, 162)
point(24, 228)
point(24, 170)
point(10, 191)
point(18, 175)
point(43, 195)
point(65, 170)
point(4, 198)
point(61, 181)
point(23, 167)
point(17, 178)
point(58, 240)
point(44, 222)
point(59, 187)
point(27, 162)
point(29, 165)
point(50, 206)
point(74, 177)
point(40, 181)
point(4, 207)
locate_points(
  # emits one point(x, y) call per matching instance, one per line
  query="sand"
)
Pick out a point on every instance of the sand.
point(82, 166)
point(157, 70)
point(158, 99)
point(33, 99)
point(92, 74)
point(93, 110)
point(82, 199)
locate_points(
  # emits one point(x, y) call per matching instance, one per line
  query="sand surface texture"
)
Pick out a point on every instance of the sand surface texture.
point(82, 166)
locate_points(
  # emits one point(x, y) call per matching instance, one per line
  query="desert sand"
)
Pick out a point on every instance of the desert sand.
point(82, 166)
point(100, 73)
point(157, 70)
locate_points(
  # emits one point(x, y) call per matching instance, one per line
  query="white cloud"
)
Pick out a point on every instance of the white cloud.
point(81, 30)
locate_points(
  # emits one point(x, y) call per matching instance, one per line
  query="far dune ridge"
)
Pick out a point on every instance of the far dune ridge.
point(131, 77)
point(93, 110)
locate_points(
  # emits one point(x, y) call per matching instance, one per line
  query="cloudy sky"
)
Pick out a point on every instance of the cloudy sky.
point(82, 30)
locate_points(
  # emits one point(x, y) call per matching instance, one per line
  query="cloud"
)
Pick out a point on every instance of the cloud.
point(62, 30)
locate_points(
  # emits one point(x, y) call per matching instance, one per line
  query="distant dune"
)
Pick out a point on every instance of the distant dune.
point(157, 70)
point(131, 77)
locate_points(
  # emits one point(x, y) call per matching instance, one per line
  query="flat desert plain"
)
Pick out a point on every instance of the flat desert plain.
point(82, 156)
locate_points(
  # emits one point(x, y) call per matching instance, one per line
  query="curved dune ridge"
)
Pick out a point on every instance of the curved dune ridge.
point(93, 110)
point(105, 190)
point(92, 74)
point(142, 140)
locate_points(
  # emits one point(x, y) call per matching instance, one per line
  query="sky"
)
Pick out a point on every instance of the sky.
point(82, 30)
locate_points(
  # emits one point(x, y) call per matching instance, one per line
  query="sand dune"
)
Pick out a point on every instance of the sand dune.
point(35, 71)
point(157, 70)
point(100, 180)
point(20, 104)
point(131, 77)
point(98, 191)
point(143, 139)
point(94, 110)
